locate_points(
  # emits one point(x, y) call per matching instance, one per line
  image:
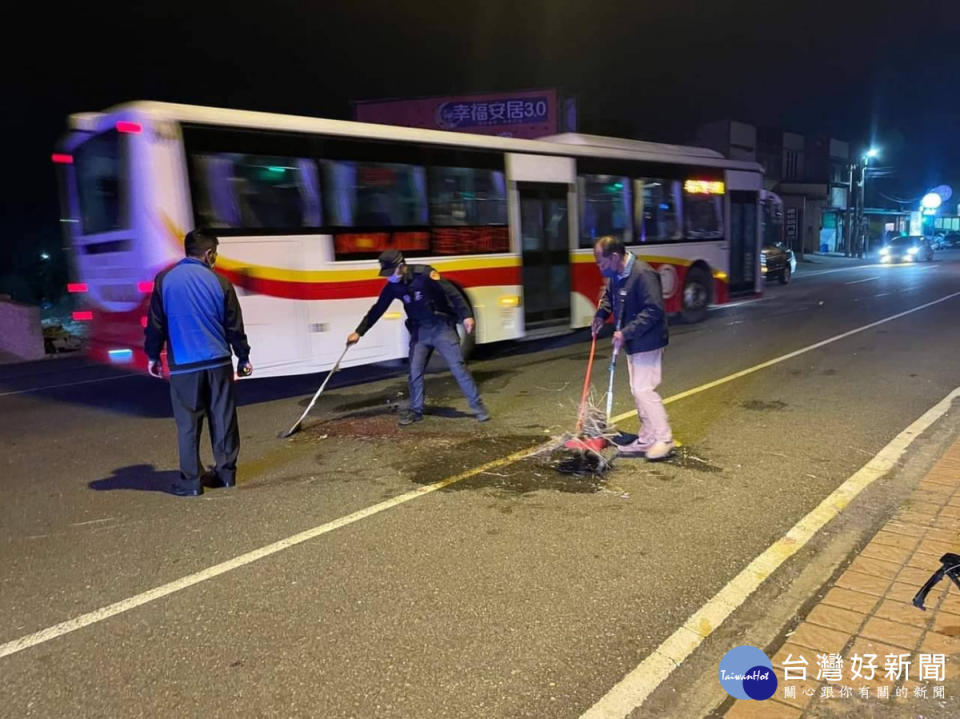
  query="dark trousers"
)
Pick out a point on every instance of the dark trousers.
point(209, 393)
point(442, 337)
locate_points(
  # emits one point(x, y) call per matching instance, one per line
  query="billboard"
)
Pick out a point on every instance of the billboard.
point(527, 114)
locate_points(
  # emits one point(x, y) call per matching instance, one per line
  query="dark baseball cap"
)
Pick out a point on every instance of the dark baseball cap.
point(389, 261)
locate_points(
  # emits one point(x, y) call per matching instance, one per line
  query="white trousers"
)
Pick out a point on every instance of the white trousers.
point(644, 368)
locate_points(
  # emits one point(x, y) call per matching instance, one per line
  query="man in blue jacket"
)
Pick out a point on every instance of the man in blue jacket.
point(195, 313)
point(633, 294)
point(433, 308)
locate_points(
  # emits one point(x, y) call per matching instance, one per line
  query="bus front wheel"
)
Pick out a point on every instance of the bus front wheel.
point(467, 341)
point(696, 295)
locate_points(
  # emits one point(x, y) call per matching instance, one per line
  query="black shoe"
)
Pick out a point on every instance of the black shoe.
point(211, 480)
point(184, 491)
point(409, 418)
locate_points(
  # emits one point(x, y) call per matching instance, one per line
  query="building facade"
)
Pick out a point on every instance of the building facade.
point(812, 175)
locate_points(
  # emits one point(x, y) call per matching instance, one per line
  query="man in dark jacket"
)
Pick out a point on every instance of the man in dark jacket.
point(633, 295)
point(433, 308)
point(195, 313)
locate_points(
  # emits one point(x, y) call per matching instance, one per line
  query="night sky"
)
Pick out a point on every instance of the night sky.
point(654, 70)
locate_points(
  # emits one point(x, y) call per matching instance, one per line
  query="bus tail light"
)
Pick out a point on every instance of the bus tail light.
point(145, 287)
point(131, 128)
point(83, 315)
point(61, 158)
point(77, 287)
point(143, 322)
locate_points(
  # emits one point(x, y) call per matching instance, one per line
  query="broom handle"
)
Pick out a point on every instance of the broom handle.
point(586, 385)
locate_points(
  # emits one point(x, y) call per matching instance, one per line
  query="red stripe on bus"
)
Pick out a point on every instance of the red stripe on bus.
point(356, 289)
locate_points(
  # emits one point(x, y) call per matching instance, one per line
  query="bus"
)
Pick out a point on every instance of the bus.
point(303, 206)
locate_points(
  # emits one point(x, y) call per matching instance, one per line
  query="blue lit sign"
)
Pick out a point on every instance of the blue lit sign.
point(479, 113)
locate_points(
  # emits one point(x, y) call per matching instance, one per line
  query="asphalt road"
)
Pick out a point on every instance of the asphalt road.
point(516, 592)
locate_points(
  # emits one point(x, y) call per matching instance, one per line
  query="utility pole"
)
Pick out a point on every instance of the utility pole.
point(861, 228)
point(850, 216)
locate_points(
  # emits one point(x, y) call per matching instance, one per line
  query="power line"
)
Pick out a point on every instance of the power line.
point(897, 199)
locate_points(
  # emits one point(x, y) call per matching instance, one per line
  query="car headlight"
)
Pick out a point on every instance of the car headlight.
point(913, 250)
point(884, 250)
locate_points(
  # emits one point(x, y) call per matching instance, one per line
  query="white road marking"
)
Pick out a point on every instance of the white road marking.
point(817, 273)
point(66, 384)
point(634, 688)
point(867, 279)
point(730, 305)
point(124, 605)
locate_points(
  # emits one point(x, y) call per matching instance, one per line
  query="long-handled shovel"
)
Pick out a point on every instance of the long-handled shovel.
point(613, 362)
point(296, 427)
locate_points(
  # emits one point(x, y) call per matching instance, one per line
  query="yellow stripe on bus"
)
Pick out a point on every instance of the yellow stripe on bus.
point(346, 275)
point(339, 275)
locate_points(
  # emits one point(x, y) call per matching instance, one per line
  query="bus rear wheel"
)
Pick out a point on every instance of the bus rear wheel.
point(696, 296)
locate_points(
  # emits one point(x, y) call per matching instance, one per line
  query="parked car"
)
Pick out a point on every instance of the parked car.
point(777, 260)
point(910, 248)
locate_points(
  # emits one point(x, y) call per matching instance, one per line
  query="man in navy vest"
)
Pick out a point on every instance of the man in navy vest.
point(195, 313)
point(433, 308)
point(634, 295)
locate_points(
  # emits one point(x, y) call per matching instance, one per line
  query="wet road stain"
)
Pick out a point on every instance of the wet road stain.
point(363, 426)
point(296, 479)
point(689, 458)
point(828, 372)
point(525, 476)
point(385, 398)
point(390, 397)
point(759, 405)
point(425, 455)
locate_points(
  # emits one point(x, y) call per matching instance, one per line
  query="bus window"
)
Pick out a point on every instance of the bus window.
point(466, 196)
point(102, 183)
point(374, 194)
point(703, 216)
point(658, 210)
point(604, 208)
point(256, 192)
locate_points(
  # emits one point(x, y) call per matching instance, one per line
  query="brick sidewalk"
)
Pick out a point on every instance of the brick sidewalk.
point(868, 611)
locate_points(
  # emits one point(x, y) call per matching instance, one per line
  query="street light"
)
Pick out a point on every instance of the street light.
point(870, 154)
